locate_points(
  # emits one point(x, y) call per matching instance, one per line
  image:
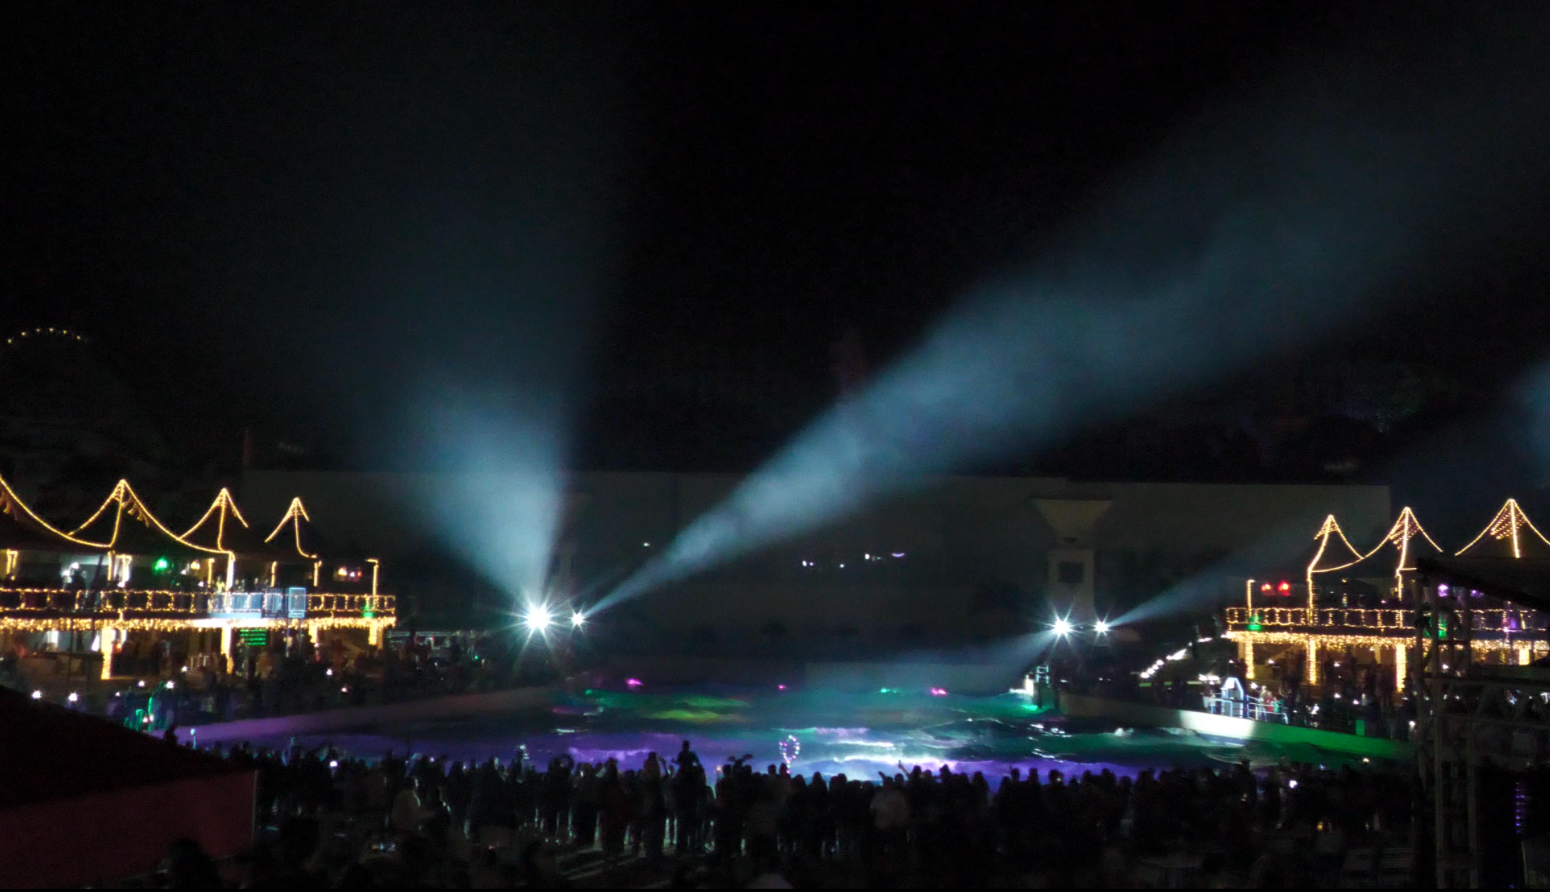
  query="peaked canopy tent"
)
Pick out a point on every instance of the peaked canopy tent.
point(1330, 550)
point(1409, 541)
point(1509, 535)
point(124, 527)
point(297, 540)
point(21, 529)
point(224, 529)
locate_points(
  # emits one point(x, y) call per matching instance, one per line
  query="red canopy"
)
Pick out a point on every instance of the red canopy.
point(84, 801)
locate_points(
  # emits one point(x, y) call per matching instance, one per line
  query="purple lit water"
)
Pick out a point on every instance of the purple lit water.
point(826, 732)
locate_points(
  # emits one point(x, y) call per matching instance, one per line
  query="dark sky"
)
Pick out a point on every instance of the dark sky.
point(283, 217)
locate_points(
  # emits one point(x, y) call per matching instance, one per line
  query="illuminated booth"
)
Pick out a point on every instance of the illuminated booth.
point(1363, 606)
point(123, 572)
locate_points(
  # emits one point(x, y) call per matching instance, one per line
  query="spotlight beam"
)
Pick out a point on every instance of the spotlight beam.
point(1253, 234)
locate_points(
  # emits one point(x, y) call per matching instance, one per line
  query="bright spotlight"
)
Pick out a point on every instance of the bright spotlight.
point(1101, 627)
point(1062, 627)
point(538, 619)
point(578, 619)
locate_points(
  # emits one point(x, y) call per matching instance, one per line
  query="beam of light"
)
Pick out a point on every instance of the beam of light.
point(1255, 232)
point(1101, 627)
point(1533, 398)
point(1062, 627)
point(1221, 584)
point(578, 619)
point(501, 504)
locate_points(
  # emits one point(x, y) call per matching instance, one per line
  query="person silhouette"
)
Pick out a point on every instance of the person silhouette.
point(686, 757)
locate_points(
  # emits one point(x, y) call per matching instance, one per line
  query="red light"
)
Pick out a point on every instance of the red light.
point(1286, 587)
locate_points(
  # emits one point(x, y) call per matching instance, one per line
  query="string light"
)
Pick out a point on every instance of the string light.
point(1330, 527)
point(223, 505)
point(1333, 639)
point(1508, 524)
point(294, 515)
point(64, 333)
point(1380, 620)
point(125, 500)
point(167, 624)
point(110, 605)
point(12, 505)
point(1405, 529)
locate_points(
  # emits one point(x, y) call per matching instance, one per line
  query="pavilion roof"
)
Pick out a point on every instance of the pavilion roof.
point(123, 524)
point(21, 529)
point(223, 528)
point(295, 538)
point(1410, 542)
point(1330, 550)
point(1510, 534)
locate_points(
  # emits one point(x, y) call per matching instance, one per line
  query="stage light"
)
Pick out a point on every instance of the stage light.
point(1101, 627)
point(1062, 627)
point(578, 619)
point(37, 695)
point(538, 619)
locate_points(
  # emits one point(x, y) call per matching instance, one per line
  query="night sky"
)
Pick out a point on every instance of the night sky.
point(686, 225)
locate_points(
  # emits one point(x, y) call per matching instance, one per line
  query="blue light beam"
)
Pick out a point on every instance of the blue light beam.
point(1255, 232)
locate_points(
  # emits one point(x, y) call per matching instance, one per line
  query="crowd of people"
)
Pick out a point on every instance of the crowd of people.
point(290, 675)
point(339, 821)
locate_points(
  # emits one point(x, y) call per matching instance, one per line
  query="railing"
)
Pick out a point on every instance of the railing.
point(121, 602)
point(1380, 621)
point(1239, 708)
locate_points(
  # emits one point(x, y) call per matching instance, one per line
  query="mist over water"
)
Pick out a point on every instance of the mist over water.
point(1306, 208)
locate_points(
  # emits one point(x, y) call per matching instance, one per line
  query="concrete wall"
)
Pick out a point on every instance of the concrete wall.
point(976, 551)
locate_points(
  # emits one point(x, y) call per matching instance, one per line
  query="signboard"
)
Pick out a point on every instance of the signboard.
point(296, 598)
point(253, 637)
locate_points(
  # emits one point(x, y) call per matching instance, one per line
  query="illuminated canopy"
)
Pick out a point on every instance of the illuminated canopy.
point(1409, 540)
point(23, 530)
point(225, 529)
point(1510, 534)
point(295, 537)
point(1332, 550)
point(124, 525)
